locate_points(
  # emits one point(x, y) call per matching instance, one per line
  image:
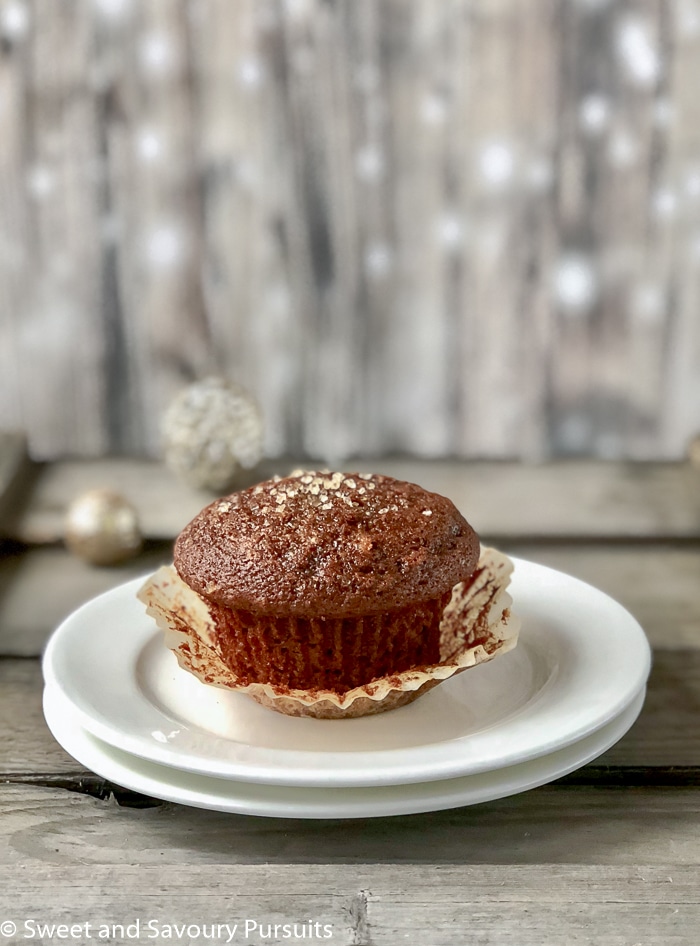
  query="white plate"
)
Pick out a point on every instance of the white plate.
point(279, 801)
point(580, 662)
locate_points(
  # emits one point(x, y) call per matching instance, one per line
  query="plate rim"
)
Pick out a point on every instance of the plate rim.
point(315, 768)
point(369, 801)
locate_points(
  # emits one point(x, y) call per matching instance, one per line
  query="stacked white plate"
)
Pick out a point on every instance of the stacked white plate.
point(117, 701)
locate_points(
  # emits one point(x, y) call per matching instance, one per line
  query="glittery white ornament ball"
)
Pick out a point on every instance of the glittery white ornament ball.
point(102, 528)
point(211, 429)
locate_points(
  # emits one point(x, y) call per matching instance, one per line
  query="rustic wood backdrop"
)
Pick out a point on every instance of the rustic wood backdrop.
point(466, 228)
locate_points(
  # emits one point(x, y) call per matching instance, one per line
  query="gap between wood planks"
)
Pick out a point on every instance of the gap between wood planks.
point(590, 776)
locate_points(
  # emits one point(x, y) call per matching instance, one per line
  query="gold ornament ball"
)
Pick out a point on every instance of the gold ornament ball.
point(102, 528)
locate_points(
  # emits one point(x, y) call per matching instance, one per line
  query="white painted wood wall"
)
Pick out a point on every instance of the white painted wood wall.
point(457, 228)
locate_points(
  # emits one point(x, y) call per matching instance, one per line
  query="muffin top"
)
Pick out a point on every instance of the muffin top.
point(326, 545)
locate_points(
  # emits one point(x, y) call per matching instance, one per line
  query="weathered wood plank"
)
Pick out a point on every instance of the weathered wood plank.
point(27, 744)
point(15, 235)
point(13, 453)
point(164, 505)
point(572, 499)
point(375, 906)
point(154, 313)
point(55, 339)
point(259, 290)
point(445, 917)
point(39, 588)
point(550, 825)
point(659, 585)
point(667, 729)
point(666, 733)
point(466, 227)
point(13, 464)
point(495, 201)
point(616, 180)
point(677, 179)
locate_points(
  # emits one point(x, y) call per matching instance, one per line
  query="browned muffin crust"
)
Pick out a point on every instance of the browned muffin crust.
point(326, 545)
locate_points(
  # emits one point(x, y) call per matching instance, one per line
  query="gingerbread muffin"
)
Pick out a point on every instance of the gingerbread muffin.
point(326, 581)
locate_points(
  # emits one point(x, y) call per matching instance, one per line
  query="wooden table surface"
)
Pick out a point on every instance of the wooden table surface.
point(607, 855)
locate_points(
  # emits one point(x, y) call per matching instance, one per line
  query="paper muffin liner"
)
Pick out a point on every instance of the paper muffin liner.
point(477, 625)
